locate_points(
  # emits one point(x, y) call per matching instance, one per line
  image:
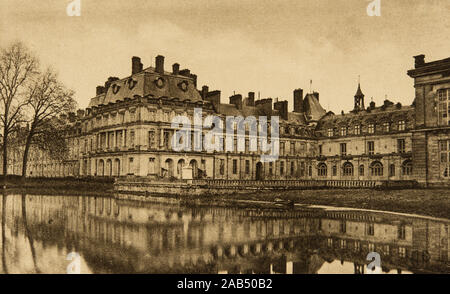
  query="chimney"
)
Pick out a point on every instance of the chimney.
point(419, 60)
point(372, 105)
point(282, 107)
point(298, 100)
point(236, 100)
point(99, 90)
point(80, 113)
point(175, 68)
point(251, 99)
point(136, 65)
point(194, 80)
point(159, 67)
point(214, 98)
point(265, 105)
point(316, 94)
point(185, 72)
point(205, 90)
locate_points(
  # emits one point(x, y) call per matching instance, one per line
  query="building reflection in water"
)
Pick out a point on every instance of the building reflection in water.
point(116, 236)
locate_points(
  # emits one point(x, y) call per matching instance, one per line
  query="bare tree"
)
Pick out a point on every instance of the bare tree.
point(17, 65)
point(47, 100)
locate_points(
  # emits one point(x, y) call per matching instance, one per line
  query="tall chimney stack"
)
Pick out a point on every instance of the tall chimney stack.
point(282, 107)
point(251, 99)
point(205, 90)
point(136, 65)
point(159, 61)
point(99, 90)
point(175, 68)
point(236, 100)
point(419, 60)
point(298, 100)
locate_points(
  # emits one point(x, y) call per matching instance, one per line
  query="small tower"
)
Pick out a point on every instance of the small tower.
point(359, 99)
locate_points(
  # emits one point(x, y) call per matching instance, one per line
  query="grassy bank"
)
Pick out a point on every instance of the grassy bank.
point(69, 185)
point(430, 202)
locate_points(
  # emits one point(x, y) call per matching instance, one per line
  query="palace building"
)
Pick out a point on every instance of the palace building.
point(126, 131)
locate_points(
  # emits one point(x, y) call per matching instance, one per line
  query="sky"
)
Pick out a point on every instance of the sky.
point(271, 47)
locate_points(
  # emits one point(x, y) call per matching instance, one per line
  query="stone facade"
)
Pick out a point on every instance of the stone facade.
point(126, 130)
point(431, 134)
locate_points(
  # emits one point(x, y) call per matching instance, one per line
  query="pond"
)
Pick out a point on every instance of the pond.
point(61, 234)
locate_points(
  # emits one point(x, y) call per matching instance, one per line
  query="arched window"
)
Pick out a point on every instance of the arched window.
point(361, 170)
point(407, 168)
point(376, 169)
point(347, 169)
point(322, 170)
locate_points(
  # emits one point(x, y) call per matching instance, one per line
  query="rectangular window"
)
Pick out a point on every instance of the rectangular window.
point(401, 145)
point(371, 229)
point(292, 168)
point(334, 170)
point(222, 167)
point(386, 127)
point(235, 167)
point(247, 167)
point(282, 147)
point(402, 252)
point(444, 107)
point(166, 140)
point(402, 232)
point(270, 168)
point(371, 147)
point(444, 158)
point(130, 166)
point(357, 130)
point(320, 149)
point(343, 131)
point(292, 148)
point(343, 149)
point(151, 139)
point(131, 138)
point(371, 129)
point(281, 167)
point(151, 165)
point(401, 125)
point(392, 170)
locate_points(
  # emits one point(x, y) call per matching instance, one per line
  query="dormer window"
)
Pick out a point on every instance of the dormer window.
point(401, 125)
point(386, 127)
point(159, 82)
point(371, 129)
point(357, 130)
point(183, 86)
point(330, 132)
point(131, 83)
point(343, 131)
point(115, 88)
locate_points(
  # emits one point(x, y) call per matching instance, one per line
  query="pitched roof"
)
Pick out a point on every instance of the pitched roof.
point(149, 83)
point(312, 107)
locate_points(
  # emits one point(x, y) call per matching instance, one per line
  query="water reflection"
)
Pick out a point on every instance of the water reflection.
point(116, 236)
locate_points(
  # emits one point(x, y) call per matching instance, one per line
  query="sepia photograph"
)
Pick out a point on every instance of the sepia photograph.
point(212, 140)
